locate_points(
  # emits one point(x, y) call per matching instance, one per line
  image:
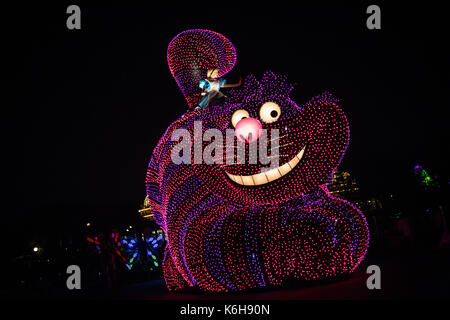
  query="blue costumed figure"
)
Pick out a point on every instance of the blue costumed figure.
point(211, 87)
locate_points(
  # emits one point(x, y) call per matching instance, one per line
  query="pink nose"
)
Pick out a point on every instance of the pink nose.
point(248, 130)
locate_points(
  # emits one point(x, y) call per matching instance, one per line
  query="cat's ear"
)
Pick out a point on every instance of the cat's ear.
point(275, 83)
point(327, 129)
point(251, 84)
point(251, 88)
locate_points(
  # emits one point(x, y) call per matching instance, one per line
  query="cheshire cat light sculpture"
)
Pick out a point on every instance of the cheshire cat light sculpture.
point(231, 227)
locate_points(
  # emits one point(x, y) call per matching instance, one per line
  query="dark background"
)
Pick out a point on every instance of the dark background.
point(91, 104)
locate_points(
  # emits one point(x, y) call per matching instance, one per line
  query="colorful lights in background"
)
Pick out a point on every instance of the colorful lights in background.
point(225, 229)
point(131, 249)
point(424, 178)
point(108, 245)
point(143, 250)
point(146, 210)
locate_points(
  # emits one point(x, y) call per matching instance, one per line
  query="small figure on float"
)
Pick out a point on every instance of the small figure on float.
point(211, 87)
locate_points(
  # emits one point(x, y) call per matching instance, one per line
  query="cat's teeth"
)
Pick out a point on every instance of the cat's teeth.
point(267, 176)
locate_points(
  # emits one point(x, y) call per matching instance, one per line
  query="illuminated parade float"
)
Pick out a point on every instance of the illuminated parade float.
point(235, 225)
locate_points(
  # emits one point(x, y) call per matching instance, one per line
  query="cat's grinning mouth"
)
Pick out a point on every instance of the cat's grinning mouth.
point(267, 176)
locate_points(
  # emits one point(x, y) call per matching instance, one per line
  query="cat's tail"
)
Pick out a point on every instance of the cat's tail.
point(191, 53)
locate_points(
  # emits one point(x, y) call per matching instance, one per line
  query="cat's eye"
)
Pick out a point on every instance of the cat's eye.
point(238, 115)
point(269, 112)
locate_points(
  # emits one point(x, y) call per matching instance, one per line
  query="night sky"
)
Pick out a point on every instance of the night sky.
point(92, 103)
